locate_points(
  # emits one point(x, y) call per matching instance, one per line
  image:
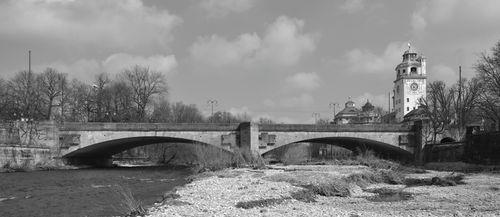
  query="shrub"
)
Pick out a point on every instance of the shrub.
point(449, 180)
point(212, 158)
point(260, 203)
point(129, 203)
point(337, 188)
point(376, 176)
point(304, 195)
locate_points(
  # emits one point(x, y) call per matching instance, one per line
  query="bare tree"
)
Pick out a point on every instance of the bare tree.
point(488, 71)
point(466, 100)
point(144, 84)
point(51, 84)
point(25, 95)
point(121, 94)
point(162, 112)
point(438, 107)
point(182, 113)
point(78, 98)
point(102, 100)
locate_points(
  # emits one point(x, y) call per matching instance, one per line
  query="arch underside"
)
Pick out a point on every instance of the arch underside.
point(359, 144)
point(111, 147)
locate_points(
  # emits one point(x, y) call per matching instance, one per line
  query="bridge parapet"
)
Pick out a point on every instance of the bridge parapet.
point(335, 128)
point(148, 127)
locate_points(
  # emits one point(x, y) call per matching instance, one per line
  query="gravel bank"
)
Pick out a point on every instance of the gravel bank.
point(218, 195)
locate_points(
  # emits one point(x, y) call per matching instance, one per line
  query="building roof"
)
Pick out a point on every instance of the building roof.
point(367, 107)
point(416, 114)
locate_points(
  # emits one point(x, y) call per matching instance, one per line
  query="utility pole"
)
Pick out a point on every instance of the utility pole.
point(316, 117)
point(212, 103)
point(459, 115)
point(29, 61)
point(389, 101)
point(333, 105)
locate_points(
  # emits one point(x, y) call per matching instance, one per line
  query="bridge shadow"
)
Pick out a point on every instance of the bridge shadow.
point(99, 154)
point(357, 145)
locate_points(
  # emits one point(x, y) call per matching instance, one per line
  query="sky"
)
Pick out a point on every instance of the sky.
point(279, 59)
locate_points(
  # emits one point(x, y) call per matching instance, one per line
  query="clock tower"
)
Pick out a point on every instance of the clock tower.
point(410, 83)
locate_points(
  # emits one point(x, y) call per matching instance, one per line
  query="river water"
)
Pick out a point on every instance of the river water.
point(84, 192)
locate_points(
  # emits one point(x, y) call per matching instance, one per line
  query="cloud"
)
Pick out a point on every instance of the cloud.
point(455, 14)
point(283, 44)
point(302, 101)
point(443, 73)
point(303, 81)
point(365, 61)
point(218, 51)
point(221, 8)
point(86, 69)
point(120, 61)
point(352, 6)
point(123, 24)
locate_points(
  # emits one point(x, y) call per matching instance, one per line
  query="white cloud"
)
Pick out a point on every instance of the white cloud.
point(118, 62)
point(85, 69)
point(443, 73)
point(221, 8)
point(303, 81)
point(302, 101)
point(351, 6)
point(457, 14)
point(124, 24)
point(283, 43)
point(365, 61)
point(218, 51)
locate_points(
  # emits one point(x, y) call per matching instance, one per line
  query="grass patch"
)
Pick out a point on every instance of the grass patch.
point(129, 204)
point(260, 203)
point(337, 188)
point(376, 176)
point(304, 195)
point(449, 180)
point(213, 159)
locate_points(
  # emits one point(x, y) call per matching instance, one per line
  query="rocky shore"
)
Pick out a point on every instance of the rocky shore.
point(270, 192)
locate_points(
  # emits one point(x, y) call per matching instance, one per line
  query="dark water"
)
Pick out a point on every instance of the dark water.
point(85, 192)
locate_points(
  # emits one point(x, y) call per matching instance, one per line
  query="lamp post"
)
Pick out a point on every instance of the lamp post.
point(316, 117)
point(333, 105)
point(212, 103)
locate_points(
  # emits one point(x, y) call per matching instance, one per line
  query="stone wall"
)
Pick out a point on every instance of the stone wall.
point(28, 144)
point(483, 148)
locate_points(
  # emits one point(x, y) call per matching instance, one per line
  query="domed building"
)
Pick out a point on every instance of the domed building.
point(352, 115)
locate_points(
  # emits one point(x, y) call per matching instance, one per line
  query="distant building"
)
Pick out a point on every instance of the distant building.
point(352, 115)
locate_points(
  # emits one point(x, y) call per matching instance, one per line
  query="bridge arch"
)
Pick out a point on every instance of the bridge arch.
point(100, 153)
point(356, 144)
point(115, 146)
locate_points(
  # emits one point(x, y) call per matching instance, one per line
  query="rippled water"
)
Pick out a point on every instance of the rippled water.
point(85, 192)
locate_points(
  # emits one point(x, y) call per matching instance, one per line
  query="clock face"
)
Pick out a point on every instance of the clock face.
point(414, 86)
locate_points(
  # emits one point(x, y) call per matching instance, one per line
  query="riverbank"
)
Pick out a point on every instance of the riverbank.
point(279, 191)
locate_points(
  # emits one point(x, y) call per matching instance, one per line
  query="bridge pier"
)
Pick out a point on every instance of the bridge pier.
point(249, 137)
point(90, 161)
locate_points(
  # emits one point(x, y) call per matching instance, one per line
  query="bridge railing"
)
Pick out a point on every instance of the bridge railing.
point(336, 128)
point(96, 126)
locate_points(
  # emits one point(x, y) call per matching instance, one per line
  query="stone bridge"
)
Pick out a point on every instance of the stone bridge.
point(88, 142)
point(95, 143)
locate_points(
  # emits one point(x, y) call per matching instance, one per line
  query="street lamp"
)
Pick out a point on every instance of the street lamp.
point(316, 117)
point(212, 103)
point(333, 105)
